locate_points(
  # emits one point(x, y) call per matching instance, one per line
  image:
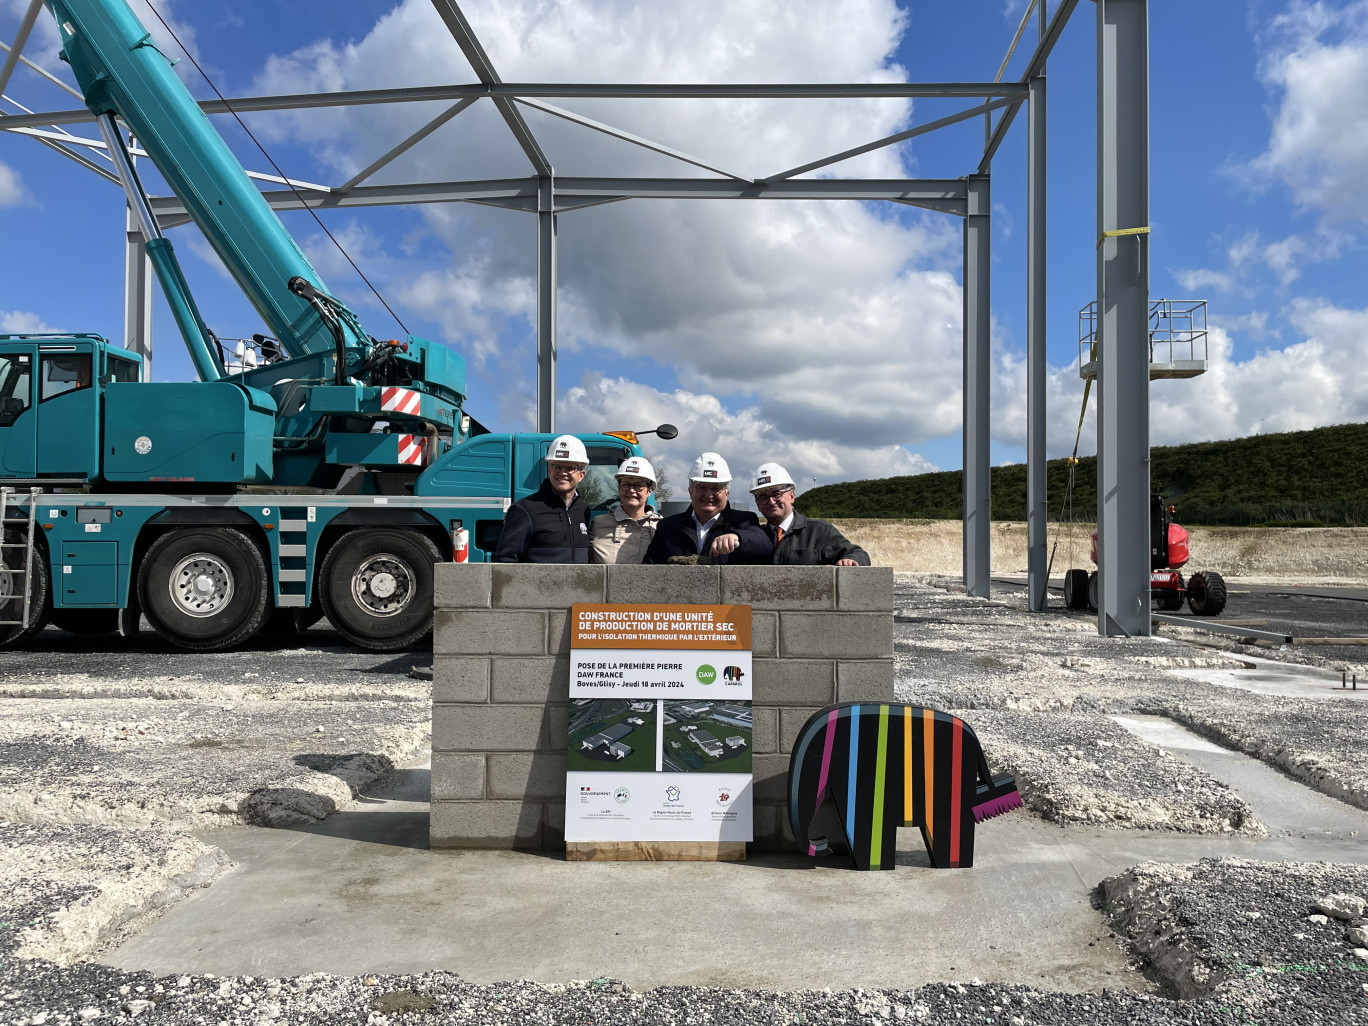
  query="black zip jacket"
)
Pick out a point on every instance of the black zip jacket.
point(542, 529)
point(810, 542)
point(677, 536)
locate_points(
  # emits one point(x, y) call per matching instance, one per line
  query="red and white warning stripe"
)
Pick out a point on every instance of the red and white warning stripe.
point(412, 448)
point(401, 400)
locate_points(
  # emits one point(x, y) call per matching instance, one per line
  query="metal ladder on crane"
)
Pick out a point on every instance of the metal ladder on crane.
point(16, 568)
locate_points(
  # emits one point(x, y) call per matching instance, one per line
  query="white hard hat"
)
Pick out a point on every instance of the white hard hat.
point(710, 468)
point(567, 449)
point(637, 466)
point(770, 475)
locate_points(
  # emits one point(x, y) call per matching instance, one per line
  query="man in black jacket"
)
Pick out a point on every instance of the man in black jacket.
point(710, 527)
point(552, 524)
point(798, 540)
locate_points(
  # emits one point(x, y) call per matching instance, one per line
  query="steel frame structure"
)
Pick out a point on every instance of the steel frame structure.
point(1122, 257)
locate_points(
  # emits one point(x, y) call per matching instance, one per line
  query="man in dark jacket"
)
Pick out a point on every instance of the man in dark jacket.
point(798, 540)
point(710, 527)
point(552, 524)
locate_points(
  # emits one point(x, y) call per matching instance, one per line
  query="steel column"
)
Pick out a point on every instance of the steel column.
point(977, 374)
point(1123, 480)
point(137, 295)
point(1037, 506)
point(546, 304)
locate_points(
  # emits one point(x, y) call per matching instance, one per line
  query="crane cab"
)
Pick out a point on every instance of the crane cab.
point(50, 403)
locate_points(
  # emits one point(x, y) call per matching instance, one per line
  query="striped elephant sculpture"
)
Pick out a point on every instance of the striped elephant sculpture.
point(865, 769)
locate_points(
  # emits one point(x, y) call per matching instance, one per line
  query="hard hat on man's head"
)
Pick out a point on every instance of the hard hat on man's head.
point(710, 468)
point(567, 449)
point(637, 466)
point(770, 475)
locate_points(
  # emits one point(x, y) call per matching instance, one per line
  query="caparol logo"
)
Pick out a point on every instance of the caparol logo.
point(706, 674)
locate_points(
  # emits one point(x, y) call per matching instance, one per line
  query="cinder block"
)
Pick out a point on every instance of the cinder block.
point(864, 680)
point(864, 588)
point(836, 635)
point(790, 723)
point(785, 682)
point(764, 634)
point(764, 730)
point(488, 632)
point(537, 679)
point(558, 632)
point(632, 583)
point(553, 825)
point(489, 728)
point(771, 777)
point(546, 585)
point(485, 825)
point(461, 585)
point(768, 829)
point(460, 679)
point(557, 726)
point(457, 777)
point(527, 775)
point(780, 587)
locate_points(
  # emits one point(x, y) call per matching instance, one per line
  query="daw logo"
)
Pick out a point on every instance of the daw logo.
point(672, 794)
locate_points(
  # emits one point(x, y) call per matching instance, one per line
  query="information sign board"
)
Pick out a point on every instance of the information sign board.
point(659, 741)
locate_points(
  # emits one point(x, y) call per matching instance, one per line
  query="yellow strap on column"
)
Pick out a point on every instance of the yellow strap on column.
point(1115, 232)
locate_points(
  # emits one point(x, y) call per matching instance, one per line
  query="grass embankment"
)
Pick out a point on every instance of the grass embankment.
point(1298, 479)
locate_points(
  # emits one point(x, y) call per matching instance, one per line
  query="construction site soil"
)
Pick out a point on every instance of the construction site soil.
point(104, 775)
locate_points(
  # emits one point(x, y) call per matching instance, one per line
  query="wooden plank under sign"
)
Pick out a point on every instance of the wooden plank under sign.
point(655, 851)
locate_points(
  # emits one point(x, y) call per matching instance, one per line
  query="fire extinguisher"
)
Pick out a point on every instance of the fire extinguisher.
point(460, 542)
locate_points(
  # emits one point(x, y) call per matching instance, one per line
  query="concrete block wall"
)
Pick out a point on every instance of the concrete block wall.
point(501, 679)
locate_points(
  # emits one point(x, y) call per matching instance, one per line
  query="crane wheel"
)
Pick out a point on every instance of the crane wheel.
point(205, 588)
point(1092, 592)
point(376, 587)
point(86, 623)
point(1076, 589)
point(1206, 593)
point(12, 596)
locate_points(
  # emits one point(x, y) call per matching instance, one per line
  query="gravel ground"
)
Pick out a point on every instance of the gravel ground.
point(101, 775)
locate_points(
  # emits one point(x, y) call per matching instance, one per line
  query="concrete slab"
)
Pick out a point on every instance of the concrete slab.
point(359, 893)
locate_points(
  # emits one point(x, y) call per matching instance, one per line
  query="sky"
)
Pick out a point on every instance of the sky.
point(825, 336)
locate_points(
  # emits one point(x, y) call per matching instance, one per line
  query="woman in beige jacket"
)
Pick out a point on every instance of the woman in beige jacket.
point(623, 534)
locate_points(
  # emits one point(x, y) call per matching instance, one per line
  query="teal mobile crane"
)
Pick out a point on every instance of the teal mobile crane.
point(322, 473)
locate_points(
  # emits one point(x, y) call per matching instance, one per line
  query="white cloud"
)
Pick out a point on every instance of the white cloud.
point(22, 322)
point(1201, 279)
point(829, 326)
point(1317, 59)
point(744, 438)
point(12, 191)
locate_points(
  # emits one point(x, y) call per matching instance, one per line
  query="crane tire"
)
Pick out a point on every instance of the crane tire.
point(205, 588)
point(1206, 593)
point(86, 623)
point(1076, 589)
point(12, 596)
point(376, 587)
point(1092, 592)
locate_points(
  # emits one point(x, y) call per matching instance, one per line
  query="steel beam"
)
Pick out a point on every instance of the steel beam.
point(1037, 505)
point(566, 90)
point(404, 145)
point(546, 304)
point(20, 38)
point(946, 195)
point(137, 295)
point(1034, 67)
point(455, 20)
point(977, 373)
point(1123, 478)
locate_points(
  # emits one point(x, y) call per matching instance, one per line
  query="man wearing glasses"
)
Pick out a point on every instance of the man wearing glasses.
point(798, 540)
point(552, 524)
point(623, 534)
point(710, 527)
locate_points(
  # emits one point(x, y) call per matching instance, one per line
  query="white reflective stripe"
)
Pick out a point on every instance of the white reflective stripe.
point(401, 400)
point(411, 448)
